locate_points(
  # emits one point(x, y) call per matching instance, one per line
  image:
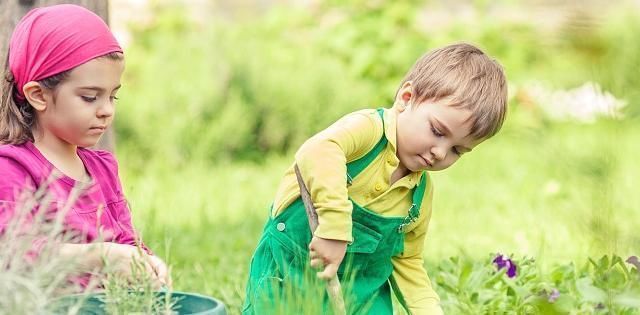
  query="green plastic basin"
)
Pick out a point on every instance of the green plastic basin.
point(185, 303)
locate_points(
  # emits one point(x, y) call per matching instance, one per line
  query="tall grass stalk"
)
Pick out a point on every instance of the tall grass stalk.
point(33, 274)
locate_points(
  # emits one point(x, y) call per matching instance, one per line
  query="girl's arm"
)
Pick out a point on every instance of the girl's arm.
point(111, 185)
point(125, 249)
point(14, 179)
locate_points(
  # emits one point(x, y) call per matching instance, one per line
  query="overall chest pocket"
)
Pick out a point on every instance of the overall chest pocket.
point(362, 250)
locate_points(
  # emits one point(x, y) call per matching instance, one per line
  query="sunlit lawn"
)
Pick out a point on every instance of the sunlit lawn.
point(559, 192)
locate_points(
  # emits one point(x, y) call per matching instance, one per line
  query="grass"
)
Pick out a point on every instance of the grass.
point(36, 279)
point(560, 192)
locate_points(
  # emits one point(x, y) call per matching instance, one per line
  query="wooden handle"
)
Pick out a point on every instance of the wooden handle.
point(333, 285)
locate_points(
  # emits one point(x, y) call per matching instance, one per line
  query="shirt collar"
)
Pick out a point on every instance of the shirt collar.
point(390, 117)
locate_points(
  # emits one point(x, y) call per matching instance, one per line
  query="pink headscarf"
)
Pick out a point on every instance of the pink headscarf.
point(50, 40)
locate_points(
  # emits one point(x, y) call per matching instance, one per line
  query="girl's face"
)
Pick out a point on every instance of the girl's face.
point(432, 135)
point(81, 107)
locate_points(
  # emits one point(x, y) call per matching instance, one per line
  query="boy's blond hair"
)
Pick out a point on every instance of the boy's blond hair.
point(467, 78)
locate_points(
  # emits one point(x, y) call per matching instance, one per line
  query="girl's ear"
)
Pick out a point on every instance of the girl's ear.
point(35, 95)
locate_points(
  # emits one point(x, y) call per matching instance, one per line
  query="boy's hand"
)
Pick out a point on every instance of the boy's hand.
point(327, 255)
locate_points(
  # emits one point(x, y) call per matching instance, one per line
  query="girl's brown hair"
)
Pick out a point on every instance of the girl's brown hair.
point(17, 117)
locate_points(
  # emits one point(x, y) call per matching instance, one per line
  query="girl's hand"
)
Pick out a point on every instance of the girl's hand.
point(327, 255)
point(161, 270)
point(118, 259)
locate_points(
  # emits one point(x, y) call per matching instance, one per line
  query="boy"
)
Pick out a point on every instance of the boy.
point(377, 215)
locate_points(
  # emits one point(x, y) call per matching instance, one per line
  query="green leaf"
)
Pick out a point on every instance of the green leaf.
point(495, 278)
point(562, 273)
point(614, 278)
point(627, 299)
point(589, 292)
point(603, 264)
point(475, 279)
point(518, 290)
point(564, 303)
point(447, 281)
point(622, 264)
point(466, 271)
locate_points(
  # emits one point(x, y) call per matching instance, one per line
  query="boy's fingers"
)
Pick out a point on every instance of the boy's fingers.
point(311, 245)
point(329, 272)
point(317, 263)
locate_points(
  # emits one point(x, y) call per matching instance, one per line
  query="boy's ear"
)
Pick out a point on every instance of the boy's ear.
point(35, 95)
point(404, 95)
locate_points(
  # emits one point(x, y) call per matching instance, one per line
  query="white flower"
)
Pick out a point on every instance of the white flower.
point(585, 103)
point(551, 188)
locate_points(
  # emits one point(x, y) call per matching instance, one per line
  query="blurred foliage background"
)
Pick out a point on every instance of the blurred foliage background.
point(217, 97)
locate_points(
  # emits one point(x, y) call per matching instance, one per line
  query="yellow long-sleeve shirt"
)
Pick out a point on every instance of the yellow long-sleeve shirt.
point(322, 161)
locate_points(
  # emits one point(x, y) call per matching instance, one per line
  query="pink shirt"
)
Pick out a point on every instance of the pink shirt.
point(100, 213)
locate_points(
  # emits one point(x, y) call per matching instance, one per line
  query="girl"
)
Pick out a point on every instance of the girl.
point(60, 82)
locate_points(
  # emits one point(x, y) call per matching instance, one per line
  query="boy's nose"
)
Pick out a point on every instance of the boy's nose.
point(439, 153)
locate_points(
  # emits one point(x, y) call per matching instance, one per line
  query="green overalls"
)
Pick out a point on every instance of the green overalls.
point(281, 281)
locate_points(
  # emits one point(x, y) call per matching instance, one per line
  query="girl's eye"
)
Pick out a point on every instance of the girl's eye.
point(114, 98)
point(89, 99)
point(436, 132)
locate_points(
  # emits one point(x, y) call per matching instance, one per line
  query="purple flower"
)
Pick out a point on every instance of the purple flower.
point(554, 295)
point(634, 261)
point(504, 262)
point(499, 261)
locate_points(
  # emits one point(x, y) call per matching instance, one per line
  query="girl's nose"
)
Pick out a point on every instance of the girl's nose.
point(106, 110)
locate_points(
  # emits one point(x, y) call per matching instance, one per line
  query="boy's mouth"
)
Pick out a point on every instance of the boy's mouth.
point(425, 161)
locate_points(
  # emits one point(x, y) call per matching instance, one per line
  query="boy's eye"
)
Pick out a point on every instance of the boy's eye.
point(114, 98)
point(436, 132)
point(89, 99)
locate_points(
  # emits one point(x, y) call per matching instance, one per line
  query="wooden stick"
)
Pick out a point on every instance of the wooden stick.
point(333, 285)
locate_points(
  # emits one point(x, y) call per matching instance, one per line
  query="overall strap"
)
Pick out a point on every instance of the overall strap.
point(356, 167)
point(418, 195)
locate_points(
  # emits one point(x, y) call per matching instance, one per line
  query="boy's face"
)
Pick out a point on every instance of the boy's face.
point(431, 135)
